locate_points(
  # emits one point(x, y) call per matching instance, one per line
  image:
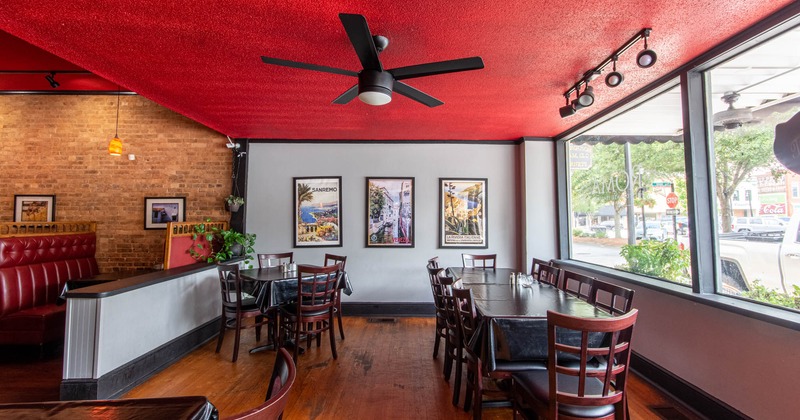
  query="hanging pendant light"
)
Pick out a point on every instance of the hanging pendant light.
point(115, 145)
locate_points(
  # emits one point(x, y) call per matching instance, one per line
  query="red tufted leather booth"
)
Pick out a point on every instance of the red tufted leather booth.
point(33, 271)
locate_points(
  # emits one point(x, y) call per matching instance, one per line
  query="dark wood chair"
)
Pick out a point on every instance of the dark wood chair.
point(614, 299)
point(535, 264)
point(331, 259)
point(478, 260)
point(433, 262)
point(577, 285)
point(281, 381)
point(275, 260)
point(313, 311)
point(441, 312)
point(548, 274)
point(582, 391)
point(237, 307)
point(454, 349)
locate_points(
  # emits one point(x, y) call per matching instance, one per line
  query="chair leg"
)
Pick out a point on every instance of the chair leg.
point(457, 382)
point(477, 397)
point(259, 319)
point(436, 343)
point(469, 386)
point(448, 360)
point(236, 343)
point(339, 316)
point(331, 334)
point(221, 333)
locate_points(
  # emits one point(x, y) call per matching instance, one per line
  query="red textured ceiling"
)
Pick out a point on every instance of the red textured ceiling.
point(202, 59)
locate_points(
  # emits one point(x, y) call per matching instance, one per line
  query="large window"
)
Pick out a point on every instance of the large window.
point(628, 192)
point(758, 231)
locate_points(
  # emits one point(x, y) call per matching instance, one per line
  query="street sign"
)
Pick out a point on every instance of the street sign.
point(672, 200)
point(673, 212)
point(662, 184)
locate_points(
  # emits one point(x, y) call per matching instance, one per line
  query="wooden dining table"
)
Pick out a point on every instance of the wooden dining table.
point(513, 318)
point(190, 408)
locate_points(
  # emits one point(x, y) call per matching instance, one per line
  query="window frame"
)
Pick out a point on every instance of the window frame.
point(699, 155)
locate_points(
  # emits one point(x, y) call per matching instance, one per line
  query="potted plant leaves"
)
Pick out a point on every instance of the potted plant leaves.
point(225, 244)
point(234, 202)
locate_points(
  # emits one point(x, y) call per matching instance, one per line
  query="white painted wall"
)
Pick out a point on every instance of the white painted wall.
point(383, 274)
point(539, 201)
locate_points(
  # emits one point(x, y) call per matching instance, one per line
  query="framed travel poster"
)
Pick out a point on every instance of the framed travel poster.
point(158, 211)
point(34, 208)
point(390, 212)
point(317, 211)
point(462, 213)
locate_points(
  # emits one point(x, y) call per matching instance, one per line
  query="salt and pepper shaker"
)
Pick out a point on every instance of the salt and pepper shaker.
point(513, 279)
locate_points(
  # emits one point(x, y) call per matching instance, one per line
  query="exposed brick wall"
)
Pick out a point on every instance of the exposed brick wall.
point(58, 144)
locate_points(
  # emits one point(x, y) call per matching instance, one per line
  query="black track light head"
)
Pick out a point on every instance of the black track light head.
point(586, 98)
point(614, 78)
point(647, 57)
point(51, 79)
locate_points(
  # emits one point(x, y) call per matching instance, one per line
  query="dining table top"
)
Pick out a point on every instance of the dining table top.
point(267, 274)
point(496, 297)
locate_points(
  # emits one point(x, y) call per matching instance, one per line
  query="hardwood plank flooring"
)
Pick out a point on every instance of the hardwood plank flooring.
point(384, 370)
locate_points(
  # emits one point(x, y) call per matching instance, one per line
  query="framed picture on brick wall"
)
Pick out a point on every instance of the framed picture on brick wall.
point(158, 211)
point(34, 208)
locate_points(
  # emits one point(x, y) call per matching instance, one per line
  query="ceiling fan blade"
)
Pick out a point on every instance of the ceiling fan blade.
point(439, 67)
point(358, 32)
point(347, 96)
point(416, 95)
point(306, 66)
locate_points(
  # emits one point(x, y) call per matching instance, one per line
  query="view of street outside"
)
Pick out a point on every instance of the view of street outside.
point(634, 165)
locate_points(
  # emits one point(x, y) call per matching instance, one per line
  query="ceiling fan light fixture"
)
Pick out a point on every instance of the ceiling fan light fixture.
point(375, 87)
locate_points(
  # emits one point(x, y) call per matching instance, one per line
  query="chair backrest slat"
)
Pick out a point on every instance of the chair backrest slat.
point(479, 260)
point(281, 381)
point(316, 286)
point(548, 274)
point(611, 298)
point(535, 264)
point(614, 349)
point(578, 285)
point(274, 260)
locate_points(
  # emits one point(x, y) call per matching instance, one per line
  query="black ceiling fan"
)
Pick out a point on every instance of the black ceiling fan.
point(375, 85)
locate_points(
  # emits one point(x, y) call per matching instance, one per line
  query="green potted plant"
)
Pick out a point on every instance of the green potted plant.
point(234, 202)
point(225, 244)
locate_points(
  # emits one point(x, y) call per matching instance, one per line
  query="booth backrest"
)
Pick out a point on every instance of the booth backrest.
point(180, 239)
point(34, 266)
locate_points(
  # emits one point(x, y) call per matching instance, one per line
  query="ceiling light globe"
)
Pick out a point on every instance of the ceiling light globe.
point(646, 58)
point(614, 79)
point(371, 97)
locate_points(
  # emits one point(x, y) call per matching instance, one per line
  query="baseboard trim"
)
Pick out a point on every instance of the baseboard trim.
point(691, 396)
point(121, 380)
point(388, 309)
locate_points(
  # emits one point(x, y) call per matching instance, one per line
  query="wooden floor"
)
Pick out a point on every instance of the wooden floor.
point(385, 370)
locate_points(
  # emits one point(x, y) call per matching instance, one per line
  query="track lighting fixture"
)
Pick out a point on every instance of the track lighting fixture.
point(614, 78)
point(646, 58)
point(586, 99)
point(567, 109)
point(51, 79)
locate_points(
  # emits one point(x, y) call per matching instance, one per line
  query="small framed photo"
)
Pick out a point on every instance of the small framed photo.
point(34, 208)
point(317, 211)
point(390, 212)
point(462, 213)
point(158, 211)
